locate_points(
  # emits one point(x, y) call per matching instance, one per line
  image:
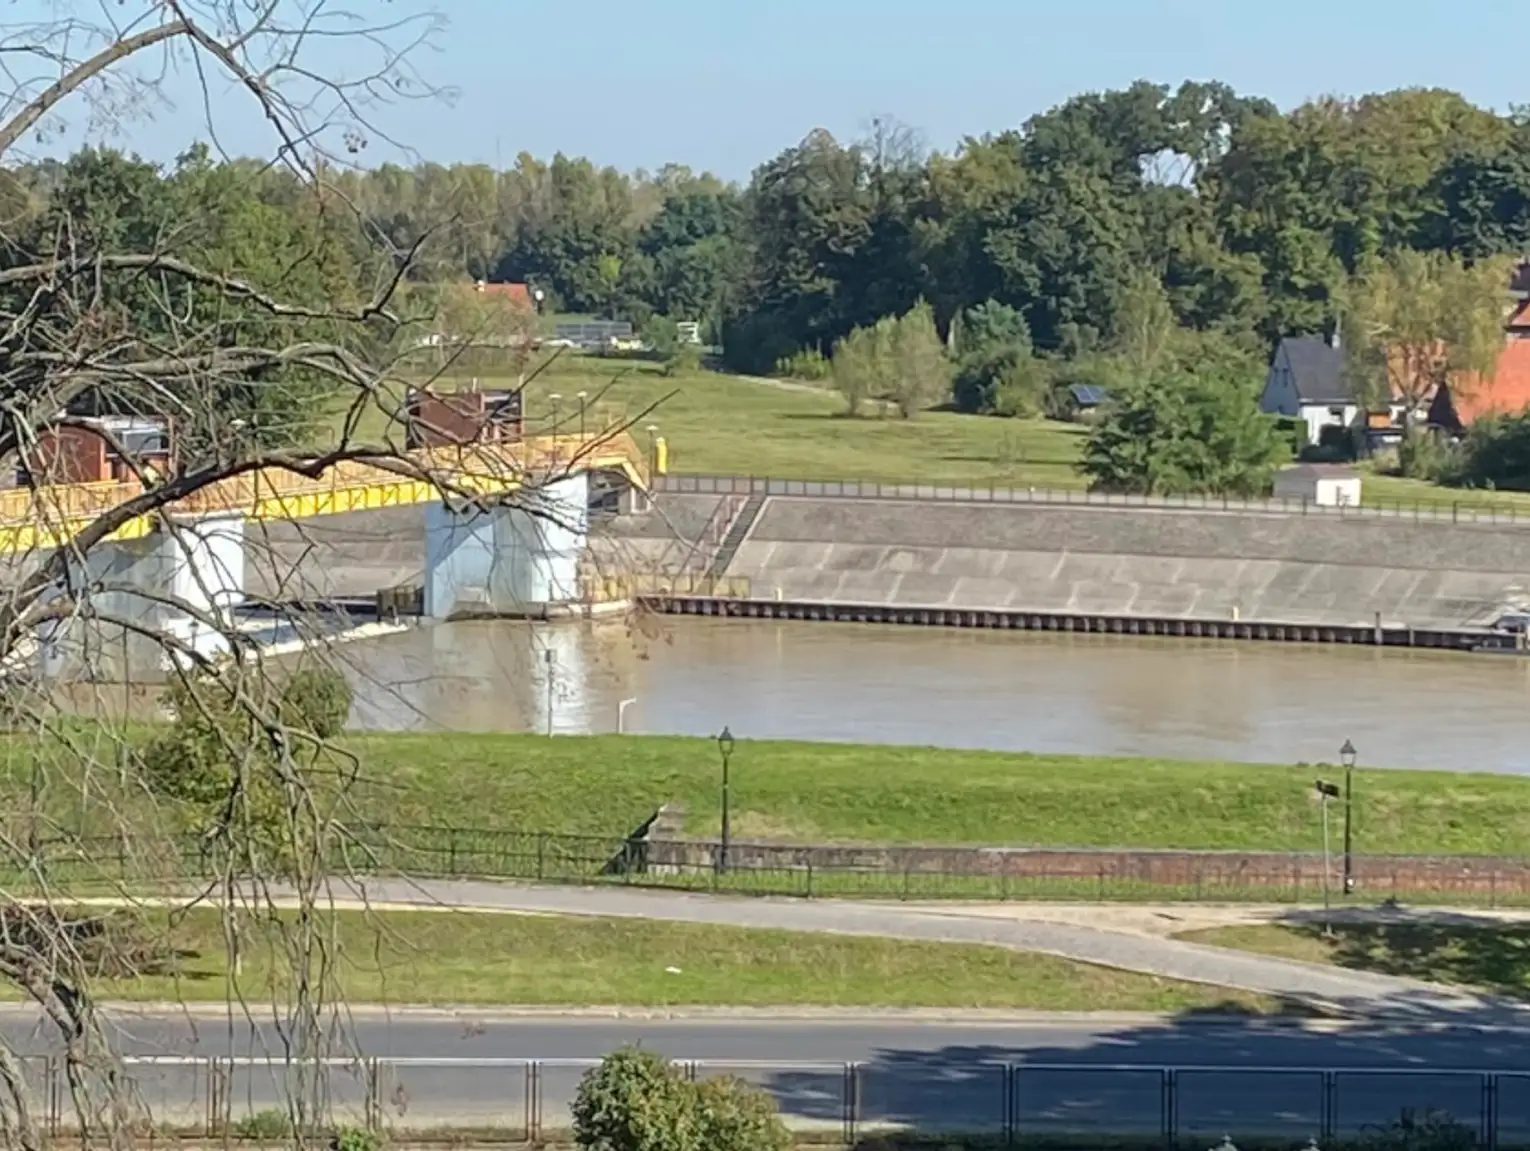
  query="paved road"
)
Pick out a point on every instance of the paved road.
point(934, 1075)
point(1349, 991)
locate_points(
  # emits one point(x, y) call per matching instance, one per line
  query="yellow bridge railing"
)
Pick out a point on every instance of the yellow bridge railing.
point(47, 517)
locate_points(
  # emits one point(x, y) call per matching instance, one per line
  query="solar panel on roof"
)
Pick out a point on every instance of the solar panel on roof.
point(1089, 394)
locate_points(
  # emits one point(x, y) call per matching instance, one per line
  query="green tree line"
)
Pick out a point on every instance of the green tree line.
point(1251, 217)
point(1195, 212)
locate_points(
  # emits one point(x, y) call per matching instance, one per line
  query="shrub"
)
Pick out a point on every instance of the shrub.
point(318, 700)
point(806, 364)
point(636, 1101)
point(269, 1124)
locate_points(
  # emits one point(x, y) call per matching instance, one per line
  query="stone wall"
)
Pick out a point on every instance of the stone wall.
point(1201, 873)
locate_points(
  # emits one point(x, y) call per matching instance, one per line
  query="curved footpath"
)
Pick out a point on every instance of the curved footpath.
point(1331, 988)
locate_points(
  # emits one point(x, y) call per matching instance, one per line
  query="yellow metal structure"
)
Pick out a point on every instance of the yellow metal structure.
point(48, 517)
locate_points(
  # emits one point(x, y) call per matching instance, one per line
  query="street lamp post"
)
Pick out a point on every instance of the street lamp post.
point(1326, 791)
point(1347, 757)
point(725, 748)
point(584, 398)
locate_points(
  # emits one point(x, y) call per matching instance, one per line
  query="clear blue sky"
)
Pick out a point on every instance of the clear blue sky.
point(724, 84)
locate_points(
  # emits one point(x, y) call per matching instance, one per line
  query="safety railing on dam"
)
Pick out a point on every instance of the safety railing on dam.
point(1460, 512)
point(47, 516)
point(526, 1101)
point(863, 871)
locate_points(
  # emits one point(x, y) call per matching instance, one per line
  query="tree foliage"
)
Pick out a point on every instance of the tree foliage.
point(637, 1101)
point(898, 360)
point(1413, 320)
point(1193, 426)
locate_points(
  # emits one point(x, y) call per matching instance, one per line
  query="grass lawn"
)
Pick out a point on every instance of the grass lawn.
point(453, 958)
point(807, 792)
point(1482, 953)
point(848, 792)
point(723, 425)
point(718, 424)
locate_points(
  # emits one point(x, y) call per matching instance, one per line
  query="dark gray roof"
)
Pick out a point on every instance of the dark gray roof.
point(1317, 370)
point(1088, 395)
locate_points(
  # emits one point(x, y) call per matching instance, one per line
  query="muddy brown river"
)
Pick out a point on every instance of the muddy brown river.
point(1259, 702)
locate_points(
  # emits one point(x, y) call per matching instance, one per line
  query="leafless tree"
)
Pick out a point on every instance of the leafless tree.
point(275, 826)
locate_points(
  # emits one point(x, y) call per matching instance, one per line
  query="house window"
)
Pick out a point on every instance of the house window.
point(1336, 414)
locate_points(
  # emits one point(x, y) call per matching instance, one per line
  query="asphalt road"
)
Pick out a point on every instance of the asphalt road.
point(1254, 1078)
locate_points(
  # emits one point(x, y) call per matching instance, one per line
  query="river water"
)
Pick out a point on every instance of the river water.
point(1256, 702)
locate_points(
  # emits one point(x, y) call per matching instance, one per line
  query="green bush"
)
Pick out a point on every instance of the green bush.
point(317, 700)
point(805, 364)
point(636, 1101)
point(270, 1124)
point(1495, 454)
point(355, 1139)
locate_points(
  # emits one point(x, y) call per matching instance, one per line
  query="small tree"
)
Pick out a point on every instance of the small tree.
point(1414, 320)
point(1182, 432)
point(997, 371)
point(921, 373)
point(858, 367)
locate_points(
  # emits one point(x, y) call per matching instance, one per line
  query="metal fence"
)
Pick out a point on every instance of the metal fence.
point(1461, 511)
point(524, 1101)
point(909, 873)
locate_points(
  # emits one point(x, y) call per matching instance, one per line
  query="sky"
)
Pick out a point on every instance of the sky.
point(726, 84)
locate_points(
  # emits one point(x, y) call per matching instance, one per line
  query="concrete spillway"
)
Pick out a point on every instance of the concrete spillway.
point(1127, 561)
point(1158, 563)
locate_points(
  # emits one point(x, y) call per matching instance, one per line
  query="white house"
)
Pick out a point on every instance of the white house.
point(1326, 485)
point(1306, 382)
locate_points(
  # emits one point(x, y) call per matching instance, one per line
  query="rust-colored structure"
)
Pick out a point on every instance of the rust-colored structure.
point(92, 451)
point(455, 419)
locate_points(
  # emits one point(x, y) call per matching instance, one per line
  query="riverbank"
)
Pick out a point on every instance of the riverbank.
point(606, 786)
point(816, 792)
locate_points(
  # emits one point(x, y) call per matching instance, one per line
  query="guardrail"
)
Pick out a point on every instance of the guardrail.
point(864, 872)
point(525, 1101)
point(1460, 511)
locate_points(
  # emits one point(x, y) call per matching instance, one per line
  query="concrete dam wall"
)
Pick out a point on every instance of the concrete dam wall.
point(1163, 563)
point(1136, 562)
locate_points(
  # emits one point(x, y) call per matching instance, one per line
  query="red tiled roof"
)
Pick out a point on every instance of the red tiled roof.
point(515, 293)
point(1469, 398)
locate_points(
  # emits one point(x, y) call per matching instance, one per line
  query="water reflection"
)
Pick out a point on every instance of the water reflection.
point(1009, 691)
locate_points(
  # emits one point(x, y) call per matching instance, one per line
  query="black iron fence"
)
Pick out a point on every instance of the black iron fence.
point(868, 872)
point(1457, 511)
point(1002, 1103)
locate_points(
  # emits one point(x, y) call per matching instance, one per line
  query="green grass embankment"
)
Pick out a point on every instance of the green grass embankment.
point(720, 424)
point(809, 792)
point(449, 958)
point(848, 793)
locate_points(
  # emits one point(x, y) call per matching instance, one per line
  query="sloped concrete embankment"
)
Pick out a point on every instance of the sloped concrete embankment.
point(338, 556)
point(1135, 562)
